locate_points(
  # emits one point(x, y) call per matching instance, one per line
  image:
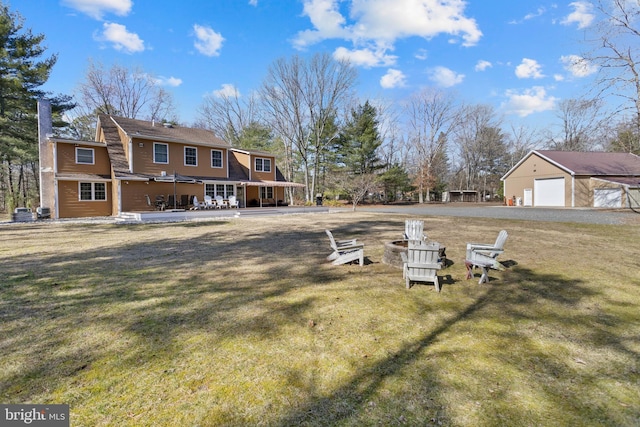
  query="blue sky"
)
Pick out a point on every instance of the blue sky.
point(518, 56)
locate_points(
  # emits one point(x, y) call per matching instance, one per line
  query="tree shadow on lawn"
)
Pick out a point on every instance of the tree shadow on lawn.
point(525, 298)
point(155, 289)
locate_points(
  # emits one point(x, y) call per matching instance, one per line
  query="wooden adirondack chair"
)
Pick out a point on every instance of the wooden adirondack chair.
point(421, 263)
point(414, 230)
point(345, 251)
point(484, 256)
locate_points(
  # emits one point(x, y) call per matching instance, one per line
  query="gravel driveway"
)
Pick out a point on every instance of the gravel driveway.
point(578, 215)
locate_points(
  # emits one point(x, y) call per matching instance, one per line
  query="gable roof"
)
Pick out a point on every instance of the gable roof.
point(588, 163)
point(162, 132)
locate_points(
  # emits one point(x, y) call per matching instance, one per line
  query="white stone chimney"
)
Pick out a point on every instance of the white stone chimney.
point(45, 150)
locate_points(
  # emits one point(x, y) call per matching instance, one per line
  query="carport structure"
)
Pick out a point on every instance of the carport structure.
point(548, 178)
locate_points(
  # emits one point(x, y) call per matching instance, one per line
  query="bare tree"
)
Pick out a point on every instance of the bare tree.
point(481, 147)
point(302, 99)
point(616, 50)
point(432, 115)
point(355, 186)
point(228, 114)
point(125, 92)
point(520, 141)
point(581, 125)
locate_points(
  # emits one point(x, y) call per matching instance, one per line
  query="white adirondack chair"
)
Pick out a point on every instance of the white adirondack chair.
point(414, 230)
point(220, 202)
point(233, 202)
point(209, 203)
point(345, 251)
point(196, 204)
point(484, 256)
point(421, 263)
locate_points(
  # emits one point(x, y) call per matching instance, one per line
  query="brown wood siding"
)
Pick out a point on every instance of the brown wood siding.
point(531, 169)
point(268, 176)
point(72, 207)
point(143, 160)
point(134, 200)
point(583, 192)
point(66, 159)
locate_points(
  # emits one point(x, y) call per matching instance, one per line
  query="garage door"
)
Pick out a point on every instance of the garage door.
point(607, 198)
point(548, 192)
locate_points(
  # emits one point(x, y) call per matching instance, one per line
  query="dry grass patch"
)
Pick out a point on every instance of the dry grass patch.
point(242, 322)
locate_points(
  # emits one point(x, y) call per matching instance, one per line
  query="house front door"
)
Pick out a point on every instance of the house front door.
point(240, 196)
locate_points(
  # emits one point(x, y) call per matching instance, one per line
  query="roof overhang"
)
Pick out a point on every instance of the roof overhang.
point(271, 184)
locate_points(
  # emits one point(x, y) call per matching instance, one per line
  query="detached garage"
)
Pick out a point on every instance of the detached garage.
point(546, 178)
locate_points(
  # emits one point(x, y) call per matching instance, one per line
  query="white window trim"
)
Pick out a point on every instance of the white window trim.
point(185, 155)
point(93, 156)
point(154, 153)
point(265, 189)
point(255, 164)
point(93, 192)
point(221, 159)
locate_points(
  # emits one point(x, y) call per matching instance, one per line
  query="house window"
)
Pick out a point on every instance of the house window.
point(160, 153)
point(266, 192)
point(263, 165)
point(85, 156)
point(216, 158)
point(190, 156)
point(93, 191)
point(224, 190)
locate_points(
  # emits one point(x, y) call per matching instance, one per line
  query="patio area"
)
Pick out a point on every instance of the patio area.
point(173, 215)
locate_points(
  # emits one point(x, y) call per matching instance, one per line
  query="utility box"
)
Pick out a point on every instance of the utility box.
point(22, 215)
point(43, 213)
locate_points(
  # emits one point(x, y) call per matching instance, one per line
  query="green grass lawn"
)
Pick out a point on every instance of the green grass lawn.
point(242, 322)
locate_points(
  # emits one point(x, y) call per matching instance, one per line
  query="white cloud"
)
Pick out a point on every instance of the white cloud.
point(421, 54)
point(121, 39)
point(168, 81)
point(578, 66)
point(365, 57)
point(227, 90)
point(208, 41)
point(253, 2)
point(483, 65)
point(558, 77)
point(98, 8)
point(529, 69)
point(581, 15)
point(445, 77)
point(382, 22)
point(531, 101)
point(539, 12)
point(393, 79)
point(327, 21)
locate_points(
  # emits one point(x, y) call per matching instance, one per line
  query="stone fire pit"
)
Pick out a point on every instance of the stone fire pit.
point(392, 251)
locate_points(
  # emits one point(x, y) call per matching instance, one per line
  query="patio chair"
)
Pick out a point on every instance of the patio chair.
point(421, 263)
point(345, 251)
point(160, 203)
point(171, 201)
point(220, 202)
point(233, 202)
point(209, 203)
point(196, 204)
point(413, 230)
point(484, 256)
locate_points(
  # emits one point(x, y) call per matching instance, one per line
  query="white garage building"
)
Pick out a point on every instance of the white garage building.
point(575, 179)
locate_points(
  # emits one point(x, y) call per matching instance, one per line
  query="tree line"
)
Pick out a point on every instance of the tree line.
point(306, 112)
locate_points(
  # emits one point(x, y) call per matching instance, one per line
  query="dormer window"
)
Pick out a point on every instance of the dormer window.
point(85, 156)
point(262, 165)
point(160, 153)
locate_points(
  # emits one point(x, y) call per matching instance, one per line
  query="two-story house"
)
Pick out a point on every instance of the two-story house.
point(132, 163)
